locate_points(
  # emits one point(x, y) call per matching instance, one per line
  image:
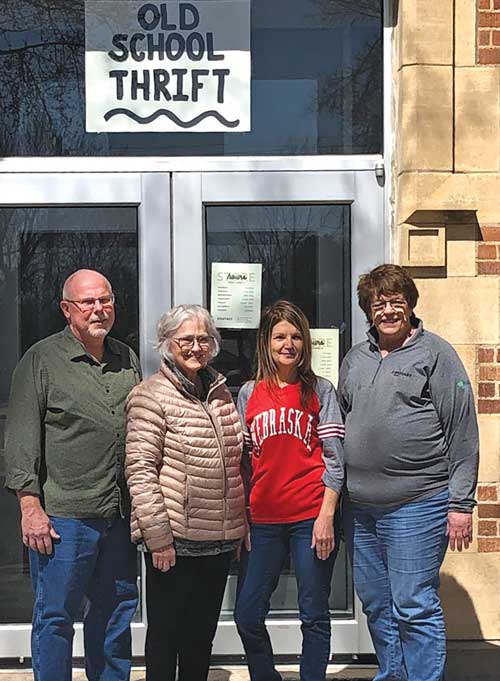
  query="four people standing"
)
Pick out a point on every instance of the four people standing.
point(411, 453)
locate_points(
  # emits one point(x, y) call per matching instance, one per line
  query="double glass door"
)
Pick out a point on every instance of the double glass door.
point(157, 237)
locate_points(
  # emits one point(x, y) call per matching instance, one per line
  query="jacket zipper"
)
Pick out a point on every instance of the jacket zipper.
point(206, 408)
point(378, 369)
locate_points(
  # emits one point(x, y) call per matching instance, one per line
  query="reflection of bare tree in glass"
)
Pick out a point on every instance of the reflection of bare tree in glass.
point(277, 242)
point(287, 241)
point(41, 52)
point(331, 10)
point(42, 47)
point(35, 261)
point(354, 91)
point(47, 258)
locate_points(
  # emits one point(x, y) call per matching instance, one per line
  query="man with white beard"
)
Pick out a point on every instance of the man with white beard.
point(64, 455)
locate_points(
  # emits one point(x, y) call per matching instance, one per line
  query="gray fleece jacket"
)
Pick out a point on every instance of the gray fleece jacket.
point(411, 427)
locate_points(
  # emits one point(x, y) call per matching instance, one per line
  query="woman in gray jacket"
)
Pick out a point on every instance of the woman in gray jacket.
point(411, 454)
point(183, 452)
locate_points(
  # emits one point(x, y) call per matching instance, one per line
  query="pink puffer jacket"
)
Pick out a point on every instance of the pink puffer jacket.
point(183, 462)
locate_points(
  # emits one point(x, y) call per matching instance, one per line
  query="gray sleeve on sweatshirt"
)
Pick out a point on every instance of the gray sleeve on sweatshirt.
point(246, 458)
point(342, 391)
point(331, 433)
point(453, 399)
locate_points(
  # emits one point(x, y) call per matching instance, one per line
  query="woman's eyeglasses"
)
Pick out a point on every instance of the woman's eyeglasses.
point(187, 342)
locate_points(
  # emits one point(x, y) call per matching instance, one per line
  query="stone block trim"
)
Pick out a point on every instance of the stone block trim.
point(488, 511)
point(488, 34)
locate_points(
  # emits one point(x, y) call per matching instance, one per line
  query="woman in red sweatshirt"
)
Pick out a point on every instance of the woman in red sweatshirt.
point(293, 431)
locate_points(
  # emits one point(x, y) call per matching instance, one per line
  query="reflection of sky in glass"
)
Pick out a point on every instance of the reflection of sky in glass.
point(279, 119)
point(321, 59)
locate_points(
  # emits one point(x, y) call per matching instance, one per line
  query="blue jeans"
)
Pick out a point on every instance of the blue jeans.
point(396, 555)
point(94, 558)
point(259, 575)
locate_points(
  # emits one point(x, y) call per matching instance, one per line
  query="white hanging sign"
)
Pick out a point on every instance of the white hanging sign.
point(167, 66)
point(236, 295)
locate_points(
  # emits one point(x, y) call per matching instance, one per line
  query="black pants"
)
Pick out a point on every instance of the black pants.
point(183, 607)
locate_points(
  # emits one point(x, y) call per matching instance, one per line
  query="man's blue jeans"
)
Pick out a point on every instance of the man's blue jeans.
point(396, 555)
point(259, 574)
point(94, 558)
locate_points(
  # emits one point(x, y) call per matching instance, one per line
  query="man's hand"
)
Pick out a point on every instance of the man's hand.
point(459, 530)
point(165, 559)
point(323, 539)
point(37, 530)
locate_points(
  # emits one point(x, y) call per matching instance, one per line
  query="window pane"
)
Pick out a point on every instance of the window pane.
point(304, 252)
point(316, 84)
point(39, 248)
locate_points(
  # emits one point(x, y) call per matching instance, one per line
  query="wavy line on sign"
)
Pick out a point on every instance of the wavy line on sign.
point(143, 120)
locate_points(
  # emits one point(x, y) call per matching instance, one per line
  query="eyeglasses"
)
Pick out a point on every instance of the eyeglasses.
point(187, 342)
point(397, 304)
point(88, 304)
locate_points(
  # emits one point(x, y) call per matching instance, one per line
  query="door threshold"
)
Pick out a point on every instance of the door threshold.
point(336, 672)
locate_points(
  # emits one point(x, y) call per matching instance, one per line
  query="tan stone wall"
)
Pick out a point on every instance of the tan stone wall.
point(446, 171)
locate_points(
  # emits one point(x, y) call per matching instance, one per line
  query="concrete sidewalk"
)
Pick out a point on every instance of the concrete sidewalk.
point(289, 673)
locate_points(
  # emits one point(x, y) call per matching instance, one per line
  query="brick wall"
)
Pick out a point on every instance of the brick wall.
point(488, 251)
point(488, 525)
point(488, 393)
point(488, 39)
point(488, 389)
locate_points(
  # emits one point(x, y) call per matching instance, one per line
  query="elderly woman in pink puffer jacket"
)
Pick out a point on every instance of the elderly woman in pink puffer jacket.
point(183, 452)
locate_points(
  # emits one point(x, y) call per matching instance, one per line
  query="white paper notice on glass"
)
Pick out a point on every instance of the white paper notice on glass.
point(236, 294)
point(325, 353)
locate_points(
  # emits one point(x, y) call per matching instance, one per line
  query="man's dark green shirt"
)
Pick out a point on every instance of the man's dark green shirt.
point(65, 435)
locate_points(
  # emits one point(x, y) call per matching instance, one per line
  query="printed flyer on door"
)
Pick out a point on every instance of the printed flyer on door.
point(235, 298)
point(325, 353)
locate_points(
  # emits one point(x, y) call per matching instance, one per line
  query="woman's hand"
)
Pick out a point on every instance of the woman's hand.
point(165, 559)
point(245, 540)
point(323, 539)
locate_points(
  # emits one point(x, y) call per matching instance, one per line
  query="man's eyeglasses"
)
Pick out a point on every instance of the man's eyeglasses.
point(187, 342)
point(88, 304)
point(396, 304)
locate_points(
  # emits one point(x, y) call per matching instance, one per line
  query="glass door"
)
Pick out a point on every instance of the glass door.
point(311, 234)
point(51, 225)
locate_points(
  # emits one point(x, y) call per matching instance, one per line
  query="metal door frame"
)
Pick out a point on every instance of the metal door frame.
point(149, 192)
